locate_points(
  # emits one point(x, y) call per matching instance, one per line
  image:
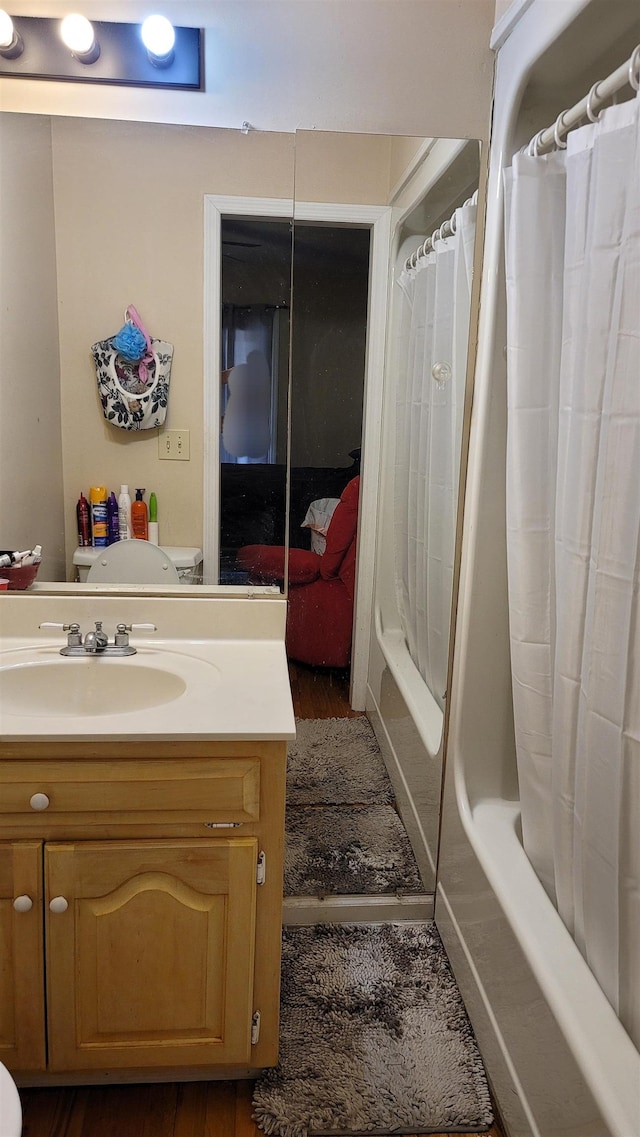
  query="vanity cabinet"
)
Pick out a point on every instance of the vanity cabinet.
point(140, 909)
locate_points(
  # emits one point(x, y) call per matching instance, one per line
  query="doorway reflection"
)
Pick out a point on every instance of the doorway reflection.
point(329, 267)
point(254, 384)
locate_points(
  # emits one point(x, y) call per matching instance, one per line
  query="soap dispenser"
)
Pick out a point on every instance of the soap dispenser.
point(140, 517)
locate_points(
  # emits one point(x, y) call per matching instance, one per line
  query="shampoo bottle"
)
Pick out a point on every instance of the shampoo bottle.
point(83, 513)
point(99, 526)
point(153, 520)
point(139, 517)
point(124, 514)
point(113, 522)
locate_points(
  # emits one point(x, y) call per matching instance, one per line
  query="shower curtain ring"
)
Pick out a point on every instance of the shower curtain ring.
point(634, 69)
point(593, 94)
point(558, 127)
point(435, 236)
point(533, 149)
point(453, 223)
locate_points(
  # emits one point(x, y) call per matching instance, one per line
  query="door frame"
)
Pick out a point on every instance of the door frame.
point(378, 220)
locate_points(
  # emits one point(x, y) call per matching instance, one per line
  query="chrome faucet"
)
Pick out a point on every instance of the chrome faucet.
point(97, 642)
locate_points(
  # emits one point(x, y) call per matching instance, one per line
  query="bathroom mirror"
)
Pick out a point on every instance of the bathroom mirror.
point(83, 235)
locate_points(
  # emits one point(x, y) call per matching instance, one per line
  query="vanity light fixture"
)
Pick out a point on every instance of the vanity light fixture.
point(76, 49)
point(11, 43)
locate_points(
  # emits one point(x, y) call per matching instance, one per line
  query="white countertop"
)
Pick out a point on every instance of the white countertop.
point(234, 690)
point(236, 686)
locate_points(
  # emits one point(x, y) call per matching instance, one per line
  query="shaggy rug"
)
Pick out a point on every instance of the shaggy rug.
point(374, 1037)
point(336, 762)
point(348, 850)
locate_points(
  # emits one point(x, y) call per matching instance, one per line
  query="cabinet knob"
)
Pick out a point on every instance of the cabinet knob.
point(58, 904)
point(23, 904)
point(39, 801)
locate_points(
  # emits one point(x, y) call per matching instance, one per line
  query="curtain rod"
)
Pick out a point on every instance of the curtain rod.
point(551, 138)
point(447, 229)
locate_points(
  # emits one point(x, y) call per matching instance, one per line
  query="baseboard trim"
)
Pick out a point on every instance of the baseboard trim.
point(300, 910)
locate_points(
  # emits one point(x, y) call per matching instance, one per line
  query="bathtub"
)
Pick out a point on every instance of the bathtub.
point(558, 1058)
point(559, 1061)
point(408, 725)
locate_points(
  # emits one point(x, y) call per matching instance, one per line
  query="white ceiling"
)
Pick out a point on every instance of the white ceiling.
point(419, 67)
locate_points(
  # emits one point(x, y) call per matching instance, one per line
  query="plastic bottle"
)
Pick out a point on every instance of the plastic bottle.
point(124, 514)
point(113, 519)
point(99, 519)
point(83, 514)
point(153, 520)
point(139, 517)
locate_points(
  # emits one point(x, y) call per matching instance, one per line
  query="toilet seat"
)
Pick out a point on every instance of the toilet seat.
point(133, 562)
point(10, 1108)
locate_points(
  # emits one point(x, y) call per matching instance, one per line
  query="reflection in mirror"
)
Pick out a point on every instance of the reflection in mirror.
point(410, 470)
point(96, 215)
point(330, 291)
point(432, 306)
point(256, 284)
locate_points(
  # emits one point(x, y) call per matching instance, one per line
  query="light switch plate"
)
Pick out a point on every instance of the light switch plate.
point(174, 445)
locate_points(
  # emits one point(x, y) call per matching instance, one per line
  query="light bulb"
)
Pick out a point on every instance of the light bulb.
point(77, 33)
point(158, 36)
point(11, 45)
point(6, 29)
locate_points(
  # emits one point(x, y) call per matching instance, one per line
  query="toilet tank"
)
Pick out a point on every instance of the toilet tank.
point(188, 562)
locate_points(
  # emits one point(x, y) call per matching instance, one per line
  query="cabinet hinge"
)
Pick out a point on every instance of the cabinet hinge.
point(261, 872)
point(255, 1028)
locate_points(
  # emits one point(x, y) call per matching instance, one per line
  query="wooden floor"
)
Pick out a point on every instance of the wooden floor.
point(190, 1109)
point(319, 693)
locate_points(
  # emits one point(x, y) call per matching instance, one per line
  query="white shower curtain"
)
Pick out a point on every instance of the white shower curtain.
point(431, 358)
point(573, 533)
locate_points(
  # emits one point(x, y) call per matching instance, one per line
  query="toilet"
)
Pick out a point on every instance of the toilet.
point(10, 1108)
point(136, 562)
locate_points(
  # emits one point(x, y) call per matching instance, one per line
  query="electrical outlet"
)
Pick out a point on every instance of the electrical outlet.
point(175, 445)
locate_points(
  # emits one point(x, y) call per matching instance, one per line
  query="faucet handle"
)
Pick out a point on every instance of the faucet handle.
point(136, 628)
point(65, 627)
point(122, 632)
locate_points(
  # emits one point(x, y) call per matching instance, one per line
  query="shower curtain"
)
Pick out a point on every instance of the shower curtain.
point(430, 364)
point(573, 533)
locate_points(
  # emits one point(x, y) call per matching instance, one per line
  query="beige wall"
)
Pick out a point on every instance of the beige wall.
point(30, 450)
point(349, 168)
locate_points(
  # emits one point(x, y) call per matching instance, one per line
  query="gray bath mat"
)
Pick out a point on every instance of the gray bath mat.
point(348, 850)
point(336, 762)
point(374, 1037)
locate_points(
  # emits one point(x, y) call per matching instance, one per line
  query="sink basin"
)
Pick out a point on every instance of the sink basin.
point(187, 687)
point(80, 687)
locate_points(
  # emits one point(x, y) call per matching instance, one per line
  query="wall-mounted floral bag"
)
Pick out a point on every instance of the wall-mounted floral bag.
point(133, 374)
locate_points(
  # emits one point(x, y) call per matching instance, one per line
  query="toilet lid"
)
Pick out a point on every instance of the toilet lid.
point(10, 1109)
point(133, 562)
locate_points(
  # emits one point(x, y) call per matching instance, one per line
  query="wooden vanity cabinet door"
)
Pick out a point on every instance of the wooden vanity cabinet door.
point(151, 963)
point(22, 1016)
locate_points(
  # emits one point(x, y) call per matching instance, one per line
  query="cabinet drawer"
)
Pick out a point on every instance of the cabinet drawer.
point(224, 789)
